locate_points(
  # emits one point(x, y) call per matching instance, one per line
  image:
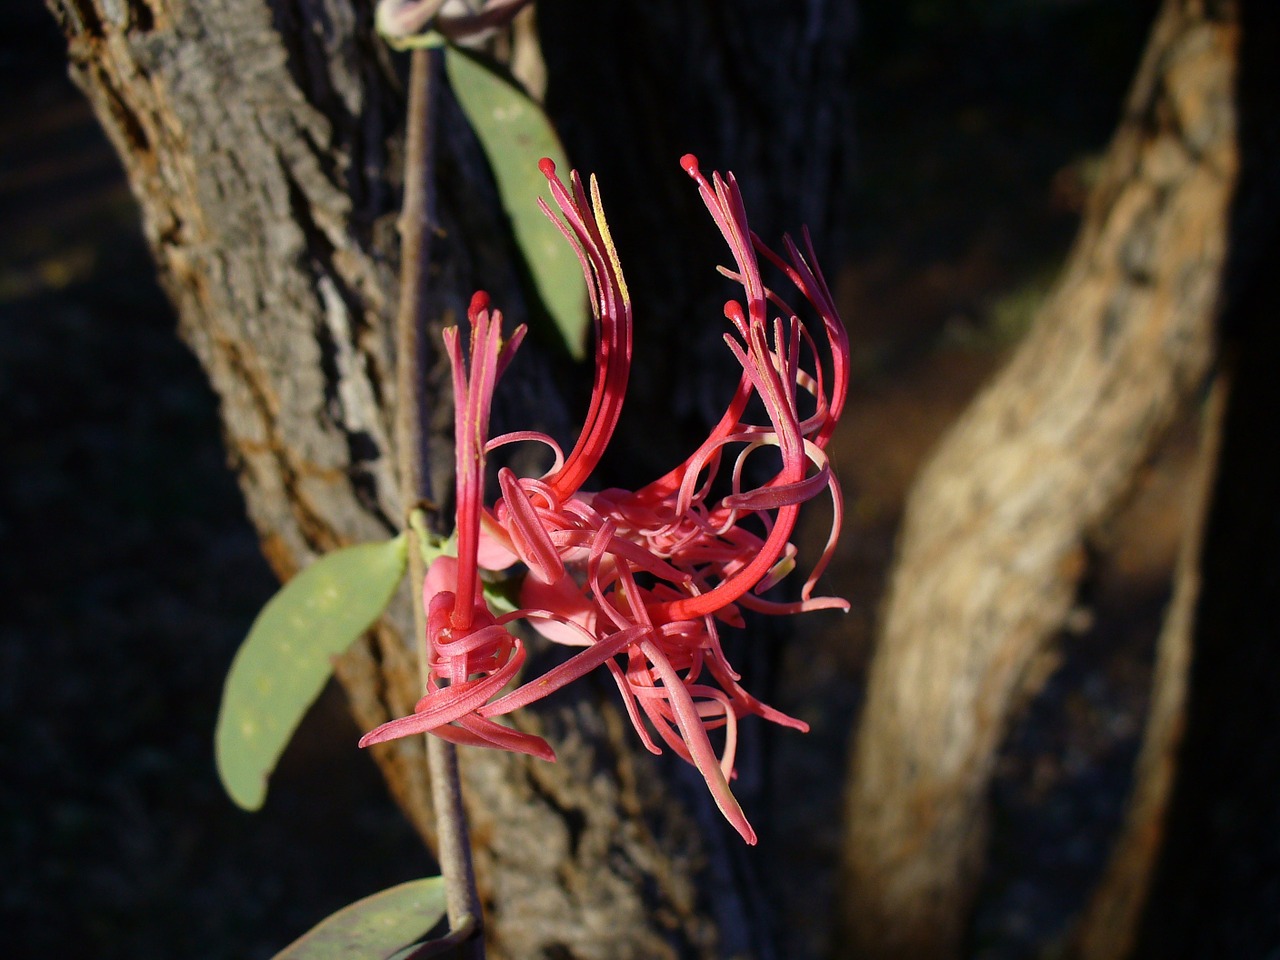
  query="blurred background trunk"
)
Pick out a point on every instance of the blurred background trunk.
point(998, 528)
point(262, 142)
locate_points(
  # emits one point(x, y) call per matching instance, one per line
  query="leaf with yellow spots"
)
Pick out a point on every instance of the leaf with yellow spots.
point(287, 658)
point(375, 926)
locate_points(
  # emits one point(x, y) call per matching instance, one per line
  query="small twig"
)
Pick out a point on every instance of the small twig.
point(416, 220)
point(416, 214)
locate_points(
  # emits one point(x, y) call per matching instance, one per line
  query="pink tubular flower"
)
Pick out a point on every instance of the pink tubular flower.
point(639, 580)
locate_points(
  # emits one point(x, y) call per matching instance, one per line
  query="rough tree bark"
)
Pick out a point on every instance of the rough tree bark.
point(994, 535)
point(261, 139)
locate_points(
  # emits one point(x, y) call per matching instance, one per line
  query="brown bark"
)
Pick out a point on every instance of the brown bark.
point(1109, 925)
point(1216, 885)
point(261, 141)
point(994, 532)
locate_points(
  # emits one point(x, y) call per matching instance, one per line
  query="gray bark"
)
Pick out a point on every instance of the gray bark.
point(261, 141)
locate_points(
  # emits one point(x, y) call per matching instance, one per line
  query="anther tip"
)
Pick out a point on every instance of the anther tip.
point(690, 164)
point(548, 167)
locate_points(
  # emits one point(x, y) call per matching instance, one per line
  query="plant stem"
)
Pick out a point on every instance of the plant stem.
point(416, 220)
point(462, 900)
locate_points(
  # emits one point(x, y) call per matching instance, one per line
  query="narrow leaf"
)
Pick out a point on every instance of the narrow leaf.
point(373, 928)
point(515, 135)
point(285, 661)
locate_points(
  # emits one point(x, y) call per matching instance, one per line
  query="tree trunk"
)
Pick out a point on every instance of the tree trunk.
point(1109, 925)
point(1215, 889)
point(261, 140)
point(994, 534)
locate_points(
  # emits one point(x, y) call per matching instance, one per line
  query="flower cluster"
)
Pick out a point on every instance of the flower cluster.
point(639, 580)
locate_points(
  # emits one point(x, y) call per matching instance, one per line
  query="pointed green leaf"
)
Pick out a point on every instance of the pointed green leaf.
point(373, 928)
point(285, 661)
point(516, 134)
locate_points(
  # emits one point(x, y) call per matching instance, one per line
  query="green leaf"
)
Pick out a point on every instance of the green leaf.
point(285, 661)
point(516, 134)
point(502, 596)
point(373, 928)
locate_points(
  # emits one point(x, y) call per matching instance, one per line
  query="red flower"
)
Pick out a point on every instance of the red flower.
point(638, 579)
